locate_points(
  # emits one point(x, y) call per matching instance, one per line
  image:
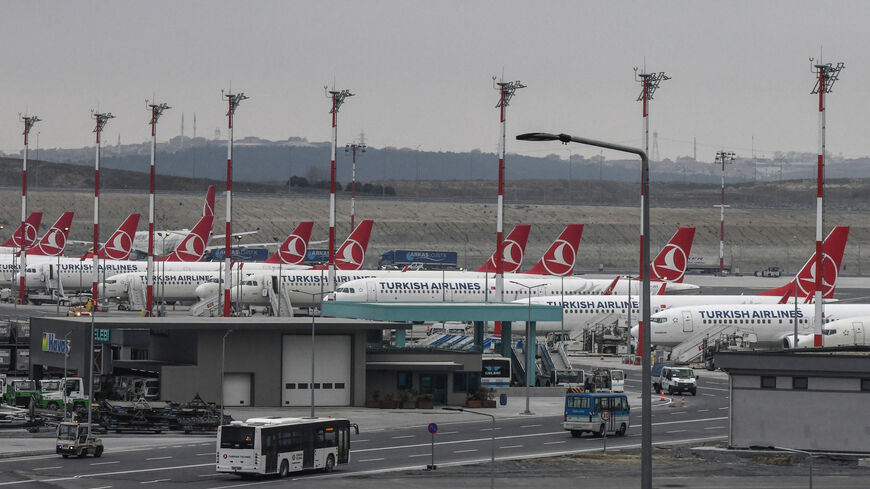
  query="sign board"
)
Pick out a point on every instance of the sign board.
point(605, 415)
point(433, 428)
point(316, 256)
point(53, 344)
point(102, 334)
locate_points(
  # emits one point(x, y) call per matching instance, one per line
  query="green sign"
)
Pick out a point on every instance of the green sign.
point(101, 334)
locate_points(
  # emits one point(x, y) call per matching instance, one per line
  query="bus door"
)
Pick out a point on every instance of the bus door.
point(687, 322)
point(343, 444)
point(270, 450)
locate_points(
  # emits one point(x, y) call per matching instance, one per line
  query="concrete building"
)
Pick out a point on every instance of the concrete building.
point(814, 399)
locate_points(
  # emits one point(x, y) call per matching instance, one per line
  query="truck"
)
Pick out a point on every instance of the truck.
point(51, 297)
point(19, 392)
point(61, 393)
point(433, 260)
point(769, 272)
point(675, 380)
point(73, 439)
point(605, 380)
point(568, 378)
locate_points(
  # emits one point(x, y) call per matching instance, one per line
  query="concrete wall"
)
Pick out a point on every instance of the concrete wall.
point(830, 415)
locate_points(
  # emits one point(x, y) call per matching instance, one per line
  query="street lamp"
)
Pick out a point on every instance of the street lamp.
point(809, 456)
point(646, 380)
point(491, 441)
point(529, 358)
point(223, 354)
point(65, 360)
point(311, 312)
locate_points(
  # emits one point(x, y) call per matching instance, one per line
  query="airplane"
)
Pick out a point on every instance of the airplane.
point(53, 242)
point(514, 249)
point(119, 245)
point(292, 251)
point(805, 280)
point(772, 324)
point(352, 252)
point(560, 257)
point(24, 235)
point(851, 331)
point(192, 247)
point(671, 262)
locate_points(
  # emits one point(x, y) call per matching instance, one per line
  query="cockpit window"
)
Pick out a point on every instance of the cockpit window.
point(658, 320)
point(111, 281)
point(829, 332)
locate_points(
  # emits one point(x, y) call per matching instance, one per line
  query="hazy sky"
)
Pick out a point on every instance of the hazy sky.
point(422, 71)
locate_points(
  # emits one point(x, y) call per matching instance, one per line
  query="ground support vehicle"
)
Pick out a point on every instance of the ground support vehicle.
point(605, 380)
point(674, 380)
point(769, 272)
point(58, 394)
point(598, 414)
point(19, 392)
point(137, 416)
point(53, 297)
point(73, 439)
point(198, 415)
point(276, 445)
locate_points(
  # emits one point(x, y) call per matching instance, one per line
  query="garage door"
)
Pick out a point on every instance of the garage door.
point(331, 370)
point(237, 389)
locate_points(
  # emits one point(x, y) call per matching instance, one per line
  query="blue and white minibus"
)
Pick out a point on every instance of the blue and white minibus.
point(598, 414)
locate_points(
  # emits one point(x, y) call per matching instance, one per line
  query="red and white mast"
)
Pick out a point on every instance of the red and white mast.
point(828, 75)
point(29, 121)
point(100, 118)
point(352, 148)
point(506, 92)
point(649, 83)
point(723, 157)
point(156, 111)
point(337, 97)
point(233, 99)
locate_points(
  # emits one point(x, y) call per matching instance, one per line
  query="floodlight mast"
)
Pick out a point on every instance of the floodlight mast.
point(352, 148)
point(29, 121)
point(156, 112)
point(337, 97)
point(506, 92)
point(100, 121)
point(233, 101)
point(722, 157)
point(828, 75)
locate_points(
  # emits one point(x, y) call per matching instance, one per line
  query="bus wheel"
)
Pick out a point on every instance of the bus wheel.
point(576, 433)
point(285, 469)
point(330, 463)
point(621, 430)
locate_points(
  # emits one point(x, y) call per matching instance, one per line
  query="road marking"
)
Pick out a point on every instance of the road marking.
point(715, 428)
point(204, 454)
point(192, 445)
point(489, 429)
point(639, 434)
point(511, 446)
point(102, 487)
point(177, 446)
point(403, 436)
point(155, 480)
point(709, 395)
point(714, 389)
point(420, 455)
point(725, 407)
point(107, 463)
point(703, 410)
point(679, 412)
point(372, 459)
point(447, 432)
point(360, 441)
point(675, 431)
point(465, 451)
point(531, 425)
point(209, 475)
point(158, 458)
point(48, 468)
point(554, 442)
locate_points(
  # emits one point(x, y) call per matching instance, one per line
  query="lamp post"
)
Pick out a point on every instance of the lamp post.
point(646, 407)
point(311, 385)
point(529, 339)
point(491, 441)
point(223, 354)
point(65, 360)
point(809, 456)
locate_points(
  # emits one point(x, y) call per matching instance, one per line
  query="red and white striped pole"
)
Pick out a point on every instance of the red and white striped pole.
point(233, 99)
point(156, 111)
point(101, 119)
point(337, 99)
point(723, 157)
point(29, 121)
point(352, 148)
point(506, 92)
point(828, 75)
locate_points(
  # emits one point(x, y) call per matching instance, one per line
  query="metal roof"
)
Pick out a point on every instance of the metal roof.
point(442, 311)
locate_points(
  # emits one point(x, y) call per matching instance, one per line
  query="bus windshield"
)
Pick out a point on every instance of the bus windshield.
point(241, 437)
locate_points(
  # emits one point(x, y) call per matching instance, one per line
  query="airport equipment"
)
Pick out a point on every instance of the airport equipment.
point(198, 415)
point(677, 379)
point(352, 148)
point(605, 380)
point(233, 99)
point(156, 112)
point(769, 272)
point(139, 415)
point(722, 157)
point(76, 439)
point(26, 241)
point(57, 394)
point(598, 414)
point(428, 259)
point(337, 97)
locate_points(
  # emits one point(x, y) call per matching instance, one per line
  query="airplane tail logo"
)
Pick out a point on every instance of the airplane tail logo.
point(514, 251)
point(294, 248)
point(208, 207)
point(25, 235)
point(834, 248)
point(120, 244)
point(192, 247)
point(54, 241)
point(670, 264)
point(560, 257)
point(353, 251)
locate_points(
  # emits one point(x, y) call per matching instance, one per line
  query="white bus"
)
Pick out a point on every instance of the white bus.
point(276, 445)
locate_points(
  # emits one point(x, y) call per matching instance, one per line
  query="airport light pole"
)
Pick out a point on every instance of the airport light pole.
point(156, 112)
point(722, 157)
point(530, 352)
point(65, 361)
point(223, 355)
point(646, 407)
point(828, 75)
point(337, 97)
point(311, 385)
point(491, 441)
point(804, 452)
point(352, 148)
point(233, 101)
point(506, 91)
point(29, 121)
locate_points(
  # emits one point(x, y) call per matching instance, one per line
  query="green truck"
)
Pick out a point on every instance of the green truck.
point(18, 392)
point(63, 393)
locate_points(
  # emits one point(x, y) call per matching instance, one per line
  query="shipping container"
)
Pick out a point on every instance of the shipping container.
point(21, 330)
point(22, 359)
point(5, 358)
point(5, 332)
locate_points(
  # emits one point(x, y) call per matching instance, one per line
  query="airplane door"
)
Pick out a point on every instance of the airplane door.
point(858, 332)
point(687, 322)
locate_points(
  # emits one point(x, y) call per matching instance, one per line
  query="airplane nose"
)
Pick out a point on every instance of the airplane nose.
point(203, 291)
point(634, 331)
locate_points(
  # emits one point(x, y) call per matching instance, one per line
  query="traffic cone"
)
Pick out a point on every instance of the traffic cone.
point(672, 402)
point(683, 402)
point(662, 391)
point(602, 356)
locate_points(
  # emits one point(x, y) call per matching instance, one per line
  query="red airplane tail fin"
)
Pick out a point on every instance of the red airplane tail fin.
point(292, 250)
point(671, 262)
point(193, 245)
point(53, 241)
point(514, 251)
point(560, 257)
point(25, 235)
point(120, 243)
point(208, 207)
point(352, 252)
point(612, 286)
point(834, 248)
